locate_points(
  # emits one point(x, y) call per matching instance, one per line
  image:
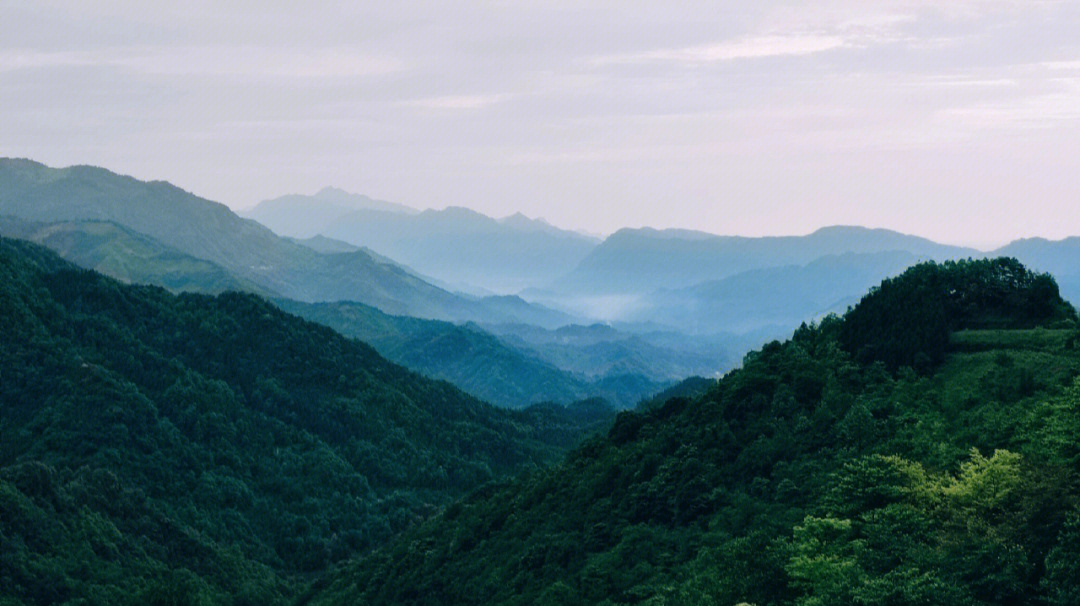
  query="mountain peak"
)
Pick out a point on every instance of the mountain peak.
point(334, 192)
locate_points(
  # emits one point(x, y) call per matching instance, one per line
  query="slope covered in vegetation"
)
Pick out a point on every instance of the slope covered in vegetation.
point(478, 362)
point(468, 357)
point(127, 256)
point(825, 471)
point(191, 449)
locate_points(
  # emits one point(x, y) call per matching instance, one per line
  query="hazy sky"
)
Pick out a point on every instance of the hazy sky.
point(954, 119)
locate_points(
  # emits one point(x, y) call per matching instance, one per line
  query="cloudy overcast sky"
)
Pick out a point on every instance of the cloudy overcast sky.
point(957, 120)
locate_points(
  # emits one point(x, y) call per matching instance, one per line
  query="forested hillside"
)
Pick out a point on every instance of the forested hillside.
point(476, 361)
point(128, 256)
point(467, 356)
point(189, 449)
point(923, 449)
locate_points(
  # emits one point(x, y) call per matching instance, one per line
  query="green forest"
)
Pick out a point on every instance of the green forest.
point(922, 449)
point(177, 449)
point(189, 449)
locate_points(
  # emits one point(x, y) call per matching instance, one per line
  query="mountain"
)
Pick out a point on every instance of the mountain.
point(250, 252)
point(467, 249)
point(471, 359)
point(776, 296)
point(303, 216)
point(478, 362)
point(186, 449)
point(599, 350)
point(644, 260)
point(1060, 258)
point(125, 255)
point(326, 245)
point(919, 450)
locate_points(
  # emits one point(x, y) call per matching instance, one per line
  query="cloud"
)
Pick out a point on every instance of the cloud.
point(1041, 111)
point(740, 48)
point(1062, 65)
point(458, 101)
point(210, 61)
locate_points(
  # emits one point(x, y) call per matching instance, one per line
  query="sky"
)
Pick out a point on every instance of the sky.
point(957, 120)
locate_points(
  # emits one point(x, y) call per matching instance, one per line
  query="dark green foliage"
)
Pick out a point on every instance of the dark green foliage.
point(805, 477)
point(466, 356)
point(1062, 581)
point(908, 319)
point(191, 449)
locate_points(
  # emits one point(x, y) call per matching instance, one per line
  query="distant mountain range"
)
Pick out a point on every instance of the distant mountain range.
point(301, 216)
point(467, 356)
point(676, 302)
point(635, 261)
point(701, 283)
point(126, 255)
point(499, 370)
point(775, 296)
point(457, 246)
point(250, 252)
point(1058, 257)
point(486, 366)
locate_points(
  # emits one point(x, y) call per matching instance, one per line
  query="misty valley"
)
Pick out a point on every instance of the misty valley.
point(540, 303)
point(199, 409)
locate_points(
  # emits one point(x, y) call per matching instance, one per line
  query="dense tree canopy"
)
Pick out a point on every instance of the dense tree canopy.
point(907, 320)
point(826, 471)
point(195, 449)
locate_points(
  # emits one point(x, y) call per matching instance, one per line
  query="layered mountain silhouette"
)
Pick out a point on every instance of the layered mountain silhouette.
point(456, 246)
point(302, 216)
point(644, 260)
point(467, 356)
point(251, 252)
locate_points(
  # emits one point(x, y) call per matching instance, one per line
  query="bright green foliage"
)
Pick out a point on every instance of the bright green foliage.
point(825, 471)
point(162, 449)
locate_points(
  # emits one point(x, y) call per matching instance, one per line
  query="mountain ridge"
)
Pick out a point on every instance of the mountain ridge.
point(210, 231)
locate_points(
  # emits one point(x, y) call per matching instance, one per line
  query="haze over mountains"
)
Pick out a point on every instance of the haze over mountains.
point(826, 471)
point(156, 233)
point(300, 216)
point(456, 245)
point(211, 231)
point(682, 280)
point(652, 287)
point(675, 303)
point(178, 447)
